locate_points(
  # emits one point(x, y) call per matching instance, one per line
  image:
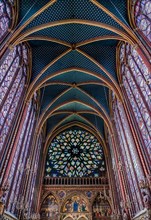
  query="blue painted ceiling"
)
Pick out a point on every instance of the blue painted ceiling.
point(88, 92)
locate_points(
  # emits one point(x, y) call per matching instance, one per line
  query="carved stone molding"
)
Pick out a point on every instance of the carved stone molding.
point(143, 215)
point(9, 216)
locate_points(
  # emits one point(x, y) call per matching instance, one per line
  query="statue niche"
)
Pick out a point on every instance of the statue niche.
point(49, 209)
point(101, 209)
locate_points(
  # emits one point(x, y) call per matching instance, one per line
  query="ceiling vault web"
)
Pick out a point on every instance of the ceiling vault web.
point(125, 27)
point(43, 70)
point(64, 119)
point(22, 27)
point(101, 67)
point(42, 83)
point(72, 114)
point(96, 112)
point(44, 113)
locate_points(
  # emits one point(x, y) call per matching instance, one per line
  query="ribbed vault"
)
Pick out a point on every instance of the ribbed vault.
point(73, 46)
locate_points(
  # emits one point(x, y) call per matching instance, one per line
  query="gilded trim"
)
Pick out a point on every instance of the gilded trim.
point(101, 38)
point(74, 21)
point(18, 31)
point(103, 69)
point(116, 19)
point(45, 38)
point(64, 127)
point(43, 70)
point(108, 83)
point(98, 113)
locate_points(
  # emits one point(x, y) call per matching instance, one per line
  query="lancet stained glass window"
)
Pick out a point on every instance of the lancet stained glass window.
point(12, 81)
point(143, 16)
point(127, 153)
point(75, 153)
point(20, 157)
point(136, 79)
point(5, 18)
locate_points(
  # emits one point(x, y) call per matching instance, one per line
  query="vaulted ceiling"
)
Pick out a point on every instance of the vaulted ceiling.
point(73, 44)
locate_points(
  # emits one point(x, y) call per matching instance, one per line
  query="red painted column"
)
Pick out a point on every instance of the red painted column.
point(122, 185)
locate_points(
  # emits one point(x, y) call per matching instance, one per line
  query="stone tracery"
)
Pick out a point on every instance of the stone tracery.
point(75, 153)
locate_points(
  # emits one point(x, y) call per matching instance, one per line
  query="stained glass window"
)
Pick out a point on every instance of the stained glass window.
point(5, 18)
point(143, 17)
point(132, 148)
point(75, 153)
point(12, 81)
point(128, 155)
point(23, 161)
point(136, 79)
point(20, 160)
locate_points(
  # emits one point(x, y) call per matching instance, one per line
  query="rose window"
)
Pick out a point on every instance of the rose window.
point(75, 153)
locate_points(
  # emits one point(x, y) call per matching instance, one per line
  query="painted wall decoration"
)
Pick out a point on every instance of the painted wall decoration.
point(75, 204)
point(61, 194)
point(75, 153)
point(89, 194)
point(49, 208)
point(75, 217)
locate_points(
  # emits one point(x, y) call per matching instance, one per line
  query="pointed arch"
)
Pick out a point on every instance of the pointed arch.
point(35, 86)
point(59, 129)
point(74, 21)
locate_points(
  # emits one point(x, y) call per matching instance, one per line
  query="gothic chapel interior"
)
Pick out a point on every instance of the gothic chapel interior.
point(75, 109)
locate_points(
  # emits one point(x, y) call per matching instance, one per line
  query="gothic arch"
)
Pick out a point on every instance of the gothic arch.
point(49, 207)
